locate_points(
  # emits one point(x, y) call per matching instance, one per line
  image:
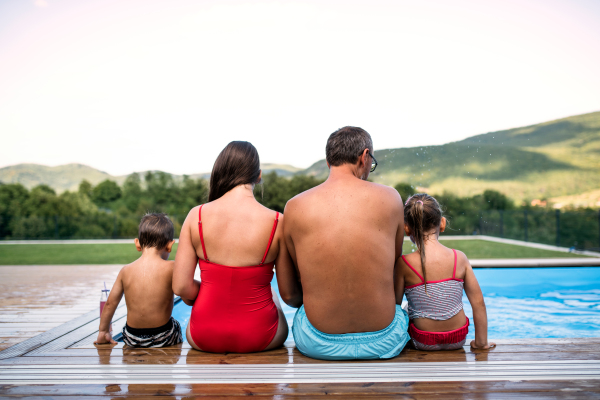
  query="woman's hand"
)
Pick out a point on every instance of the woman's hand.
point(486, 346)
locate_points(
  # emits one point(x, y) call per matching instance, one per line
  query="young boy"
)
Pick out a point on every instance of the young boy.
point(146, 284)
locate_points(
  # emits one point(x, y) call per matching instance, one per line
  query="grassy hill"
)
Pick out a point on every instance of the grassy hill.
point(61, 178)
point(68, 176)
point(547, 160)
point(557, 160)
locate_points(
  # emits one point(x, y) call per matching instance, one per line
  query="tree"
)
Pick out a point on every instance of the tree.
point(132, 191)
point(106, 192)
point(12, 198)
point(86, 188)
point(405, 189)
point(493, 200)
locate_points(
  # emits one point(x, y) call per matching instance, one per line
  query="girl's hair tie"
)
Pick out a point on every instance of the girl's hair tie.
point(419, 201)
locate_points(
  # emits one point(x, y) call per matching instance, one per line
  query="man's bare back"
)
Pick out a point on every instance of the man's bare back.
point(345, 236)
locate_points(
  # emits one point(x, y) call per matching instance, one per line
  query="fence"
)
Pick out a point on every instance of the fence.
point(577, 229)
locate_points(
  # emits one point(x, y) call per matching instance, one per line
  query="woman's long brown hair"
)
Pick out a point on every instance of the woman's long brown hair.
point(238, 164)
point(422, 213)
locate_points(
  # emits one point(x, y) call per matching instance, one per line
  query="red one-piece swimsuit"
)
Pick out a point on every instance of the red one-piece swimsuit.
point(234, 311)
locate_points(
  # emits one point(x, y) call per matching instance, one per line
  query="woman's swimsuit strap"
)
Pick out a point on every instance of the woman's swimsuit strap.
point(270, 238)
point(200, 230)
point(268, 244)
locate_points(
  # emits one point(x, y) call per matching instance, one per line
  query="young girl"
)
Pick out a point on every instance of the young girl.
point(433, 278)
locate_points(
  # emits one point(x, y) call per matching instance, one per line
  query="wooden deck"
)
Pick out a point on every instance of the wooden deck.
point(65, 364)
point(34, 299)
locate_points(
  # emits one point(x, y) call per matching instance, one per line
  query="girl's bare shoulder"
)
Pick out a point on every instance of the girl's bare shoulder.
point(462, 264)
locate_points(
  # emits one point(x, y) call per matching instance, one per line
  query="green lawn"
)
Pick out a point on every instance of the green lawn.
point(56, 254)
point(484, 249)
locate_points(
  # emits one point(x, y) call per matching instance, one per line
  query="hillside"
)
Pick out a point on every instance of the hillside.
point(61, 178)
point(68, 176)
point(547, 160)
point(557, 160)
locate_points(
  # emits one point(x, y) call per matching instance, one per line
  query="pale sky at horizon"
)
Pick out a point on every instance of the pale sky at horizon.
point(157, 85)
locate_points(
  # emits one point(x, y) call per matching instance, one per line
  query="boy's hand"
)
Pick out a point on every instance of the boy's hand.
point(486, 346)
point(105, 337)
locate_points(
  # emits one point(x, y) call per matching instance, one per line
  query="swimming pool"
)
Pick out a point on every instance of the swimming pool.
point(521, 302)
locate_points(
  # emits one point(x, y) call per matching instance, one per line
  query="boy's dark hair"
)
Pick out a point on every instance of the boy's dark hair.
point(156, 230)
point(346, 145)
point(237, 164)
point(422, 213)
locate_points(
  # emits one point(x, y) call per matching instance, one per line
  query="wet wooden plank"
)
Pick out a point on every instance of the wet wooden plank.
point(592, 387)
point(191, 360)
point(524, 389)
point(47, 296)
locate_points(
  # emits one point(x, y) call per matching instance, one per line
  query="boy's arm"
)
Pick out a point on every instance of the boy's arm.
point(475, 296)
point(184, 284)
point(114, 298)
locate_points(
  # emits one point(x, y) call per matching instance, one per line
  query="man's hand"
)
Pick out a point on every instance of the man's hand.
point(486, 346)
point(105, 337)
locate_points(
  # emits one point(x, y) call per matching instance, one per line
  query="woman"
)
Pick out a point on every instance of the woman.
point(236, 242)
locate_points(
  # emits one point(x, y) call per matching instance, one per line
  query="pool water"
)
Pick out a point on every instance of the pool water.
point(521, 303)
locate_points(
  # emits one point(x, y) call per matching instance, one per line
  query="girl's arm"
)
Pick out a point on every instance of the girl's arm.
point(398, 281)
point(184, 284)
point(475, 297)
point(114, 298)
point(288, 279)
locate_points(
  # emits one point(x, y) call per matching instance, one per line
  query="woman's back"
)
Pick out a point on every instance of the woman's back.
point(236, 242)
point(236, 231)
point(234, 310)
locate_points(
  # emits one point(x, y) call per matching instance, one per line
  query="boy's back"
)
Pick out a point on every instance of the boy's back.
point(147, 286)
point(148, 292)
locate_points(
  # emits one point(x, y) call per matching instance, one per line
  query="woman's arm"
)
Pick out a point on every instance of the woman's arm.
point(475, 297)
point(184, 284)
point(288, 279)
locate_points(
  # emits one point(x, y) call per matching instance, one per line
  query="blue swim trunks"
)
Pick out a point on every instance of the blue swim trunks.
point(386, 343)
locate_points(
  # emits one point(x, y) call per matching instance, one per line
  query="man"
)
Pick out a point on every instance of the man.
point(344, 237)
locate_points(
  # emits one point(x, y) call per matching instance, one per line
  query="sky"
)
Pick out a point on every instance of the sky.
point(165, 85)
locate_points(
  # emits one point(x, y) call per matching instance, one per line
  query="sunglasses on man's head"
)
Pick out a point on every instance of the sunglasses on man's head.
point(374, 162)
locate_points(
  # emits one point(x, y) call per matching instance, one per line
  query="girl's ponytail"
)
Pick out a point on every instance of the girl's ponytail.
point(419, 236)
point(422, 213)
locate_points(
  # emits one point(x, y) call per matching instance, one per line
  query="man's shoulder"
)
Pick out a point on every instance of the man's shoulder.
point(304, 197)
point(384, 192)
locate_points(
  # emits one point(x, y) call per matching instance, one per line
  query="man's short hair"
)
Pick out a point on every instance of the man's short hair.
point(345, 145)
point(155, 230)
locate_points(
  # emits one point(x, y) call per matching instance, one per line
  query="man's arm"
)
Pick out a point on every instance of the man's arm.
point(114, 298)
point(399, 243)
point(398, 281)
point(399, 213)
point(184, 284)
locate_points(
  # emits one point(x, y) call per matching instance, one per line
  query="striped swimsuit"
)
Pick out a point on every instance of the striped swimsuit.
point(442, 301)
